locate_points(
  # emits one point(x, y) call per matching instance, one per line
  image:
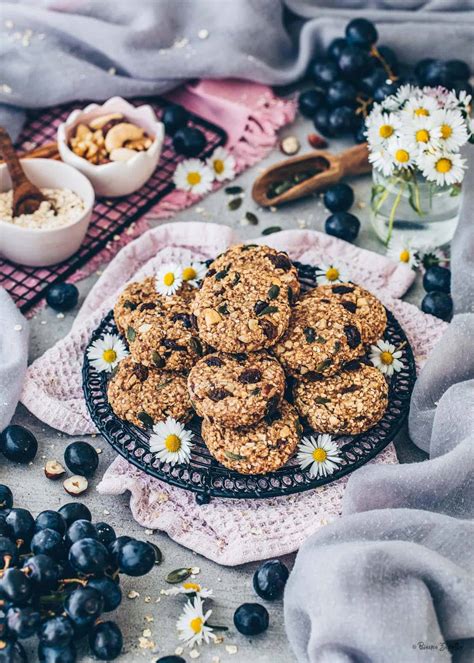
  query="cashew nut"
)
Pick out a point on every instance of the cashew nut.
point(120, 134)
point(102, 120)
point(122, 154)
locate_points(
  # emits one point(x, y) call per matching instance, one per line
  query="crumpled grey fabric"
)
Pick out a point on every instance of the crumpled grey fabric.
point(54, 51)
point(393, 580)
point(13, 356)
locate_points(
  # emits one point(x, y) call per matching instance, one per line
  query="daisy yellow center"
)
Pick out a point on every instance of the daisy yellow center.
point(385, 131)
point(192, 585)
point(332, 274)
point(219, 166)
point(405, 255)
point(189, 273)
point(173, 443)
point(402, 156)
point(109, 356)
point(168, 278)
point(386, 358)
point(446, 131)
point(319, 455)
point(444, 165)
point(194, 178)
point(421, 112)
point(422, 136)
point(196, 624)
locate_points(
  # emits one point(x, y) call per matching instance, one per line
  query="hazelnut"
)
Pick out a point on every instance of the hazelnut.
point(53, 469)
point(76, 485)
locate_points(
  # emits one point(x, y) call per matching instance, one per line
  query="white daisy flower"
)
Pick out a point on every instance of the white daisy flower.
point(452, 129)
point(191, 588)
point(191, 625)
point(168, 279)
point(171, 442)
point(193, 175)
point(401, 249)
point(422, 131)
point(105, 353)
point(321, 455)
point(381, 127)
point(404, 93)
point(222, 164)
point(444, 168)
point(193, 273)
point(381, 160)
point(403, 154)
point(330, 274)
point(386, 357)
point(461, 100)
point(420, 105)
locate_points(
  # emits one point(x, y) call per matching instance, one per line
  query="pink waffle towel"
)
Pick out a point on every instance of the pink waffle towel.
point(229, 532)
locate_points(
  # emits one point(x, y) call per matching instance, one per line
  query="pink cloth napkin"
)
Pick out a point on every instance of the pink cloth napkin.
point(227, 531)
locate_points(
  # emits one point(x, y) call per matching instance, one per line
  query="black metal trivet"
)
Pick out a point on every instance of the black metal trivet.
point(110, 216)
point(208, 478)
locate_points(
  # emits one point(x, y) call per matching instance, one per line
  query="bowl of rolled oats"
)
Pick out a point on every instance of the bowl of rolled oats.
point(56, 230)
point(116, 145)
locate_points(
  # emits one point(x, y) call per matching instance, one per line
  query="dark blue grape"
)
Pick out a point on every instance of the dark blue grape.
point(339, 197)
point(359, 133)
point(372, 81)
point(251, 619)
point(336, 47)
point(16, 587)
point(341, 120)
point(110, 590)
point(106, 641)
point(18, 444)
point(341, 93)
point(8, 552)
point(189, 141)
point(321, 122)
point(385, 90)
point(437, 279)
point(43, 571)
point(361, 32)
point(73, 511)
point(116, 546)
point(80, 529)
point(458, 69)
point(21, 525)
point(309, 101)
point(136, 558)
point(438, 304)
point(50, 520)
point(174, 117)
point(57, 632)
point(355, 63)
point(389, 57)
point(270, 579)
point(324, 72)
point(81, 458)
point(105, 533)
point(66, 654)
point(62, 296)
point(84, 605)
point(6, 497)
point(23, 622)
point(88, 556)
point(48, 542)
point(436, 73)
point(421, 68)
point(171, 659)
point(343, 225)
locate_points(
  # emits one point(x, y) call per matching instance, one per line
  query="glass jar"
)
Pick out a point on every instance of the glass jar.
point(407, 203)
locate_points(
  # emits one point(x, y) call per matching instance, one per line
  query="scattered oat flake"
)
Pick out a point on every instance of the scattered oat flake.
point(181, 42)
point(361, 204)
point(147, 599)
point(17, 327)
point(149, 618)
point(178, 651)
point(5, 89)
point(194, 653)
point(112, 71)
point(60, 316)
point(149, 531)
point(9, 24)
point(203, 34)
point(218, 639)
point(106, 512)
point(231, 649)
point(132, 594)
point(99, 450)
point(144, 643)
point(195, 570)
point(146, 633)
point(215, 659)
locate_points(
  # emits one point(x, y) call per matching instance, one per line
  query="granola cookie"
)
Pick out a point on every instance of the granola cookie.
point(368, 309)
point(256, 449)
point(142, 296)
point(240, 310)
point(165, 337)
point(348, 403)
point(145, 396)
point(260, 258)
point(236, 390)
point(320, 339)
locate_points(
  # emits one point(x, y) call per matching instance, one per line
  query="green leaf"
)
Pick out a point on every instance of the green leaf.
point(455, 191)
point(377, 190)
point(270, 230)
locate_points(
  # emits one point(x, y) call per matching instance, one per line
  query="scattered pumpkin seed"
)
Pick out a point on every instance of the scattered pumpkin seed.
point(146, 420)
point(236, 278)
point(178, 575)
point(222, 274)
point(217, 627)
point(267, 310)
point(196, 345)
point(309, 334)
point(270, 230)
point(233, 190)
point(158, 553)
point(234, 203)
point(322, 365)
point(251, 218)
point(157, 359)
point(131, 334)
point(337, 346)
point(233, 456)
point(320, 400)
point(130, 305)
point(273, 292)
point(222, 309)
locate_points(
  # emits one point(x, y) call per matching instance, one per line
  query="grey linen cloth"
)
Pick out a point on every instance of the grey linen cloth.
point(54, 51)
point(13, 356)
point(393, 579)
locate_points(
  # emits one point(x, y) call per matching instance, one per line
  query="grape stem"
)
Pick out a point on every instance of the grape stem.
point(375, 53)
point(363, 105)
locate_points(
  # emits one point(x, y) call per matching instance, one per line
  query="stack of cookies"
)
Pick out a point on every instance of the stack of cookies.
point(236, 349)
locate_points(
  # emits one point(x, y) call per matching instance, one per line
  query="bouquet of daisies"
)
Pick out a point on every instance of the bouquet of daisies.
point(419, 132)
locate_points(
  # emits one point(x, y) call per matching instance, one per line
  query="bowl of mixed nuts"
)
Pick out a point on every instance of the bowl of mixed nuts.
point(116, 145)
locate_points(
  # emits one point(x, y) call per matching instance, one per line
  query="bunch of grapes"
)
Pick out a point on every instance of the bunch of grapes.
point(356, 72)
point(58, 574)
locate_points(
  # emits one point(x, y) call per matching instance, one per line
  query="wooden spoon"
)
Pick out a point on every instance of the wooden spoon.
point(26, 196)
point(330, 168)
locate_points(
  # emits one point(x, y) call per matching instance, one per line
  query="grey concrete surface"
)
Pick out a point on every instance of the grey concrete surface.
point(232, 586)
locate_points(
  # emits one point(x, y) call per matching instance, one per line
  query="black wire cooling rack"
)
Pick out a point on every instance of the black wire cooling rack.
point(208, 478)
point(110, 217)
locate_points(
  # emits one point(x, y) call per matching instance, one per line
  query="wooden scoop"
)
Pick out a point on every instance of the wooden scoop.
point(26, 196)
point(329, 169)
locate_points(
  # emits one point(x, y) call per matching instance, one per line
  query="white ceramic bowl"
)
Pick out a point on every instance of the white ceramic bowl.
point(118, 178)
point(41, 247)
